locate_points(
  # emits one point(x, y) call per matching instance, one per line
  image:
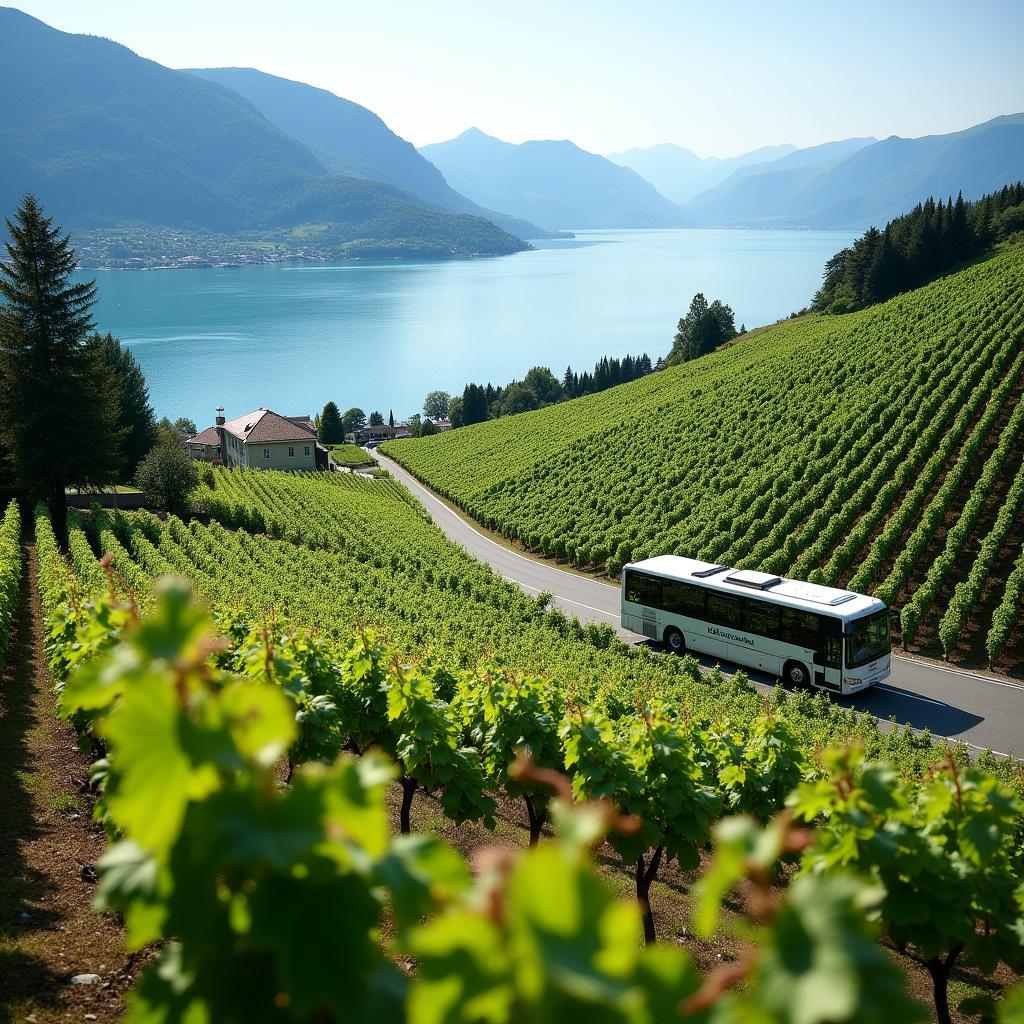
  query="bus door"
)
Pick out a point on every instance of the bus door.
point(828, 658)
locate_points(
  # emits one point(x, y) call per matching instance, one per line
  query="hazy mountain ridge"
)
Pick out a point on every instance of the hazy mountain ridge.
point(870, 185)
point(679, 174)
point(350, 139)
point(105, 137)
point(554, 183)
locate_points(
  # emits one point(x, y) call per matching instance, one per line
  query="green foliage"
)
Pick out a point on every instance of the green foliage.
point(351, 456)
point(331, 430)
point(943, 855)
point(53, 383)
point(826, 448)
point(702, 330)
point(167, 475)
point(136, 422)
point(932, 238)
point(11, 567)
point(1007, 612)
point(435, 405)
point(268, 900)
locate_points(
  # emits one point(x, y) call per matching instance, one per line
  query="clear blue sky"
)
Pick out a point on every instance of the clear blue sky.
point(718, 77)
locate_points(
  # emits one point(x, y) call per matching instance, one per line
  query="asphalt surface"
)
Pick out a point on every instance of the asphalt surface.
point(982, 711)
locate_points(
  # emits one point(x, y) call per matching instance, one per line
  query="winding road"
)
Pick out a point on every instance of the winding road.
point(982, 711)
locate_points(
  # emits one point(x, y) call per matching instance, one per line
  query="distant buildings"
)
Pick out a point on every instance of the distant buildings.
point(382, 432)
point(262, 439)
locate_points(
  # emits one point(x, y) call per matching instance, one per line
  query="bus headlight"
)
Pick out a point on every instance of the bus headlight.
point(850, 681)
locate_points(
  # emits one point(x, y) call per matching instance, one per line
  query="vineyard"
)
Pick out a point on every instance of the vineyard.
point(333, 552)
point(880, 450)
point(191, 715)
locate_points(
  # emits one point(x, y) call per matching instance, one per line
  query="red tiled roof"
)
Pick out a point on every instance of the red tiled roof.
point(208, 436)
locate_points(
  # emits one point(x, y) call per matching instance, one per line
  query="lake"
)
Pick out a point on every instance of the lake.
point(381, 335)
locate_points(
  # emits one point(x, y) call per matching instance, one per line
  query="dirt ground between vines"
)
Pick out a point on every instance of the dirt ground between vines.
point(671, 898)
point(48, 842)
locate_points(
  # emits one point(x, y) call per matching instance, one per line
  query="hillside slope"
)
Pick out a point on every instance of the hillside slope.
point(105, 137)
point(880, 450)
point(871, 185)
point(351, 140)
point(556, 184)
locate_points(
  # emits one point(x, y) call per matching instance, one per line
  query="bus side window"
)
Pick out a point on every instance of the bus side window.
point(683, 599)
point(798, 627)
point(724, 611)
point(643, 589)
point(760, 618)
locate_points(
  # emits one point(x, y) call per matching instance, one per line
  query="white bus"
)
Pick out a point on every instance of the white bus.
point(805, 634)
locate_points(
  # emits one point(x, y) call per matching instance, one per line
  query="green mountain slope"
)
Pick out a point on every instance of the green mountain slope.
point(874, 450)
point(105, 137)
point(871, 185)
point(556, 184)
point(349, 139)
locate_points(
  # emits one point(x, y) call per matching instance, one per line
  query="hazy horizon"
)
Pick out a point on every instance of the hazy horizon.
point(717, 82)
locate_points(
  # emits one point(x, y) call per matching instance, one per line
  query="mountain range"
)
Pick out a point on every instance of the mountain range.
point(554, 183)
point(351, 140)
point(679, 174)
point(105, 137)
point(870, 184)
point(130, 153)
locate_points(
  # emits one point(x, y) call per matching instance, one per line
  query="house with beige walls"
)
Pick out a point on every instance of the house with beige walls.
point(262, 439)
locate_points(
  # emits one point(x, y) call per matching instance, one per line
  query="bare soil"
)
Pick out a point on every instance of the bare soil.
point(48, 843)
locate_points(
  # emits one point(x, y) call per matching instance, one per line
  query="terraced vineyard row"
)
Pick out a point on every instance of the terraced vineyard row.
point(873, 450)
point(292, 902)
point(377, 560)
point(10, 573)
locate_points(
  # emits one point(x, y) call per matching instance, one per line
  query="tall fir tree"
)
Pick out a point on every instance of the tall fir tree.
point(332, 430)
point(58, 401)
point(136, 421)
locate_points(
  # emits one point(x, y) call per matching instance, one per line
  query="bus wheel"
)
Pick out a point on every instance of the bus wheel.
point(795, 673)
point(674, 641)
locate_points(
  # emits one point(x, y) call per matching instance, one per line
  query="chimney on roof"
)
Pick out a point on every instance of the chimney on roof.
point(220, 416)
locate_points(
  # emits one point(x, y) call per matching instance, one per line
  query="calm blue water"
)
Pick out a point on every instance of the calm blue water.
point(381, 335)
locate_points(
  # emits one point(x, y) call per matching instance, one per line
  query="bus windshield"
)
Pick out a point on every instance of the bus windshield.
point(869, 640)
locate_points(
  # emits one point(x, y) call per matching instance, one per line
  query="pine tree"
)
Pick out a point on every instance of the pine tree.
point(58, 402)
point(391, 417)
point(332, 430)
point(136, 422)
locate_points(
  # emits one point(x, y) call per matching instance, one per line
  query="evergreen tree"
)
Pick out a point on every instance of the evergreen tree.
point(376, 419)
point(474, 407)
point(332, 430)
point(58, 402)
point(136, 421)
point(391, 417)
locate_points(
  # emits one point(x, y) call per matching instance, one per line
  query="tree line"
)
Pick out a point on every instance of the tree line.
point(74, 406)
point(910, 250)
point(540, 387)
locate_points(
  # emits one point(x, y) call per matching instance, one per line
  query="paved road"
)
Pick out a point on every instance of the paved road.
point(981, 711)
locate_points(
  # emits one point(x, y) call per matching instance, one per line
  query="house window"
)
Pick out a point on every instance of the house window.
point(291, 452)
point(266, 453)
point(307, 449)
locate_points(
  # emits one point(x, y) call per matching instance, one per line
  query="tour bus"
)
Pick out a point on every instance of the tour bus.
point(803, 633)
